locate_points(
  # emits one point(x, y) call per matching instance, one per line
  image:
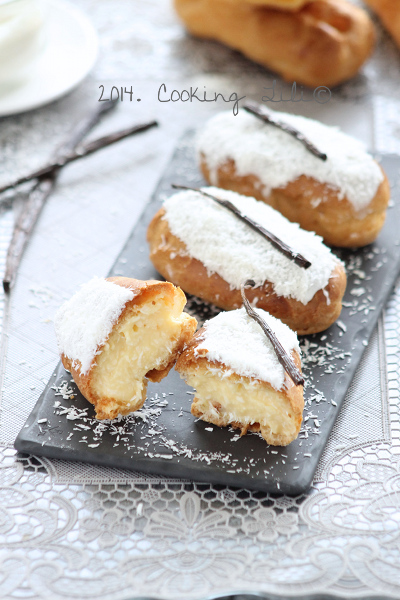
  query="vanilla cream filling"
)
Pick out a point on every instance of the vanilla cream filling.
point(231, 400)
point(141, 342)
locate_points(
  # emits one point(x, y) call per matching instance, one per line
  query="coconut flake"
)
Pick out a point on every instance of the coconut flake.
point(84, 322)
point(229, 247)
point(276, 158)
point(237, 341)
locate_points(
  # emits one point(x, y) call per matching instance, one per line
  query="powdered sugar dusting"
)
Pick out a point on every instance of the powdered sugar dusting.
point(237, 341)
point(229, 247)
point(84, 322)
point(276, 158)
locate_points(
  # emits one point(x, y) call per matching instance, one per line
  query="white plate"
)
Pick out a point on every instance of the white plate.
point(67, 58)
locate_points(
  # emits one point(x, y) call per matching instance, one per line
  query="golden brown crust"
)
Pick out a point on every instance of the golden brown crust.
point(315, 206)
point(195, 360)
point(105, 407)
point(187, 331)
point(389, 13)
point(293, 5)
point(144, 292)
point(171, 258)
point(323, 44)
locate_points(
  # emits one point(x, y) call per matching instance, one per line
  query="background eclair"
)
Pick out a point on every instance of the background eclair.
point(343, 199)
point(323, 43)
point(281, 4)
point(389, 13)
point(208, 252)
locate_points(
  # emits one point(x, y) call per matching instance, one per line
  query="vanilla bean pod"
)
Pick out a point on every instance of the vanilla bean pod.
point(275, 241)
point(39, 194)
point(281, 354)
point(86, 150)
point(264, 115)
point(24, 225)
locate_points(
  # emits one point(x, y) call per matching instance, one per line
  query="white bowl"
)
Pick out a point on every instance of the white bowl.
point(22, 38)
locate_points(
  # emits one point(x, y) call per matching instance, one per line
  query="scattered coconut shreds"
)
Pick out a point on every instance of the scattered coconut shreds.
point(321, 356)
point(64, 390)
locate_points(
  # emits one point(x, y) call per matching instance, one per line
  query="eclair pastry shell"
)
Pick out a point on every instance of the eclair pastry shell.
point(144, 292)
point(322, 44)
point(279, 4)
point(314, 205)
point(290, 398)
point(389, 13)
point(170, 257)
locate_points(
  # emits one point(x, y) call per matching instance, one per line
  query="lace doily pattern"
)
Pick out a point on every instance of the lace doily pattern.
point(188, 541)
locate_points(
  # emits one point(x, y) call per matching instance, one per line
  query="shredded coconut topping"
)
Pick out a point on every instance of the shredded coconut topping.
point(276, 158)
point(84, 322)
point(229, 247)
point(237, 341)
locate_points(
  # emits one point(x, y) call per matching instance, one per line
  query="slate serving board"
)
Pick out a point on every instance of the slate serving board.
point(164, 438)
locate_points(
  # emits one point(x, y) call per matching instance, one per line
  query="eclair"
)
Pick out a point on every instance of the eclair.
point(115, 334)
point(206, 250)
point(279, 4)
point(238, 379)
point(322, 44)
point(343, 198)
point(389, 13)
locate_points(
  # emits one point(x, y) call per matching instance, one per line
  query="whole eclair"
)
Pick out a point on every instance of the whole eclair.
point(281, 4)
point(389, 13)
point(206, 250)
point(343, 198)
point(322, 44)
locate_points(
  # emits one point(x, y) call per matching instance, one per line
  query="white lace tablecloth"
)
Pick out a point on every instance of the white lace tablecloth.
point(75, 531)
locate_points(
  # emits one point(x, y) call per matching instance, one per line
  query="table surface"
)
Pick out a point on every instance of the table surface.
point(71, 530)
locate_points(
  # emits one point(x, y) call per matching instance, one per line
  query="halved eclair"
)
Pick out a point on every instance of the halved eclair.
point(115, 334)
point(238, 379)
point(343, 199)
point(209, 252)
